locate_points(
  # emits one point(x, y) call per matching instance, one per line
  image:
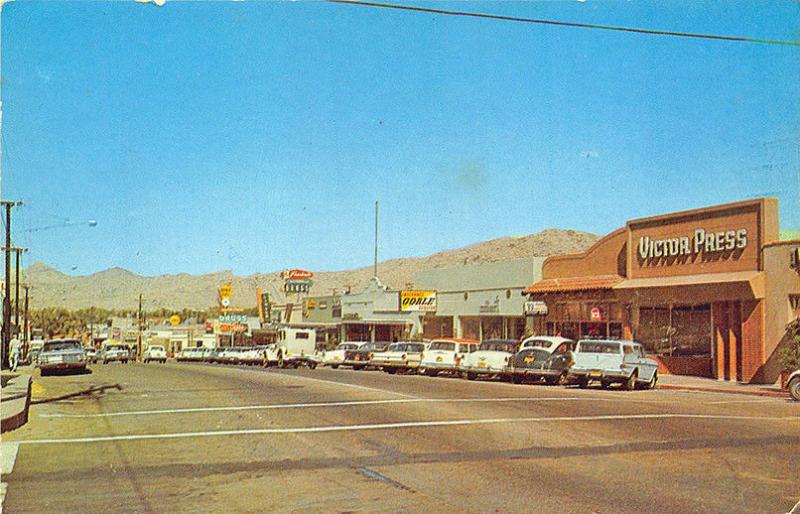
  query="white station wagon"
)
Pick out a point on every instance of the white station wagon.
point(609, 361)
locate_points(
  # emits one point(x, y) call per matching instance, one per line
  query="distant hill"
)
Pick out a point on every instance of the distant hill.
point(117, 288)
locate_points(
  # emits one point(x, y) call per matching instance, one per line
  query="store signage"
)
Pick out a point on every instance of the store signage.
point(296, 274)
point(535, 308)
point(699, 243)
point(311, 304)
point(421, 301)
point(232, 318)
point(595, 314)
point(225, 293)
point(298, 286)
point(795, 259)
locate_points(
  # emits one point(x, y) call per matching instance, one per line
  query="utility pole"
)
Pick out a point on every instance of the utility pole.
point(139, 339)
point(375, 268)
point(17, 251)
point(6, 339)
point(25, 328)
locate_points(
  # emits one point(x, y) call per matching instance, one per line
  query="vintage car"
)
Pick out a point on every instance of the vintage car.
point(252, 355)
point(609, 361)
point(92, 354)
point(794, 385)
point(361, 356)
point(155, 353)
point(59, 354)
point(335, 358)
point(444, 355)
point(491, 358)
point(115, 352)
point(542, 357)
point(400, 356)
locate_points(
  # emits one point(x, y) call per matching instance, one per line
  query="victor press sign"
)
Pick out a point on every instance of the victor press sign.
point(700, 242)
point(423, 301)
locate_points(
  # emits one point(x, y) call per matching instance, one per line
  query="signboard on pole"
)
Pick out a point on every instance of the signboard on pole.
point(419, 301)
point(535, 309)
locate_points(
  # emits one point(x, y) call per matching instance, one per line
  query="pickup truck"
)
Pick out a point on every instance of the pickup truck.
point(609, 361)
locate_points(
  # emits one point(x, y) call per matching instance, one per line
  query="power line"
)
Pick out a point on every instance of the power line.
point(564, 23)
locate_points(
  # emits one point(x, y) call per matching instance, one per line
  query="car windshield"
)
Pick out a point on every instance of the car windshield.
point(498, 346)
point(599, 347)
point(538, 343)
point(347, 346)
point(157, 348)
point(61, 345)
point(443, 345)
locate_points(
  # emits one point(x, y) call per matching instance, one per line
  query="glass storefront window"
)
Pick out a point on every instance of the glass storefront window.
point(679, 331)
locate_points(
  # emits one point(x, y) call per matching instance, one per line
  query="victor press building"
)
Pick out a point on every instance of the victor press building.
point(709, 292)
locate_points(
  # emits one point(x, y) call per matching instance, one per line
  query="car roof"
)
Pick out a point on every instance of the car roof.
point(455, 340)
point(552, 339)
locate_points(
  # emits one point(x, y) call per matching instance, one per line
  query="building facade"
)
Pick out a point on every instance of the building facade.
point(479, 301)
point(708, 291)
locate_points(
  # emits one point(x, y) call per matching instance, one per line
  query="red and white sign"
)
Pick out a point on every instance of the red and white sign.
point(595, 314)
point(296, 274)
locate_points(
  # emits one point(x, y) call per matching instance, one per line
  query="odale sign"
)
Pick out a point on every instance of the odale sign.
point(701, 242)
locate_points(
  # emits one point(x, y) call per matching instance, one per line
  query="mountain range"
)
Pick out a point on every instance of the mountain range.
point(118, 288)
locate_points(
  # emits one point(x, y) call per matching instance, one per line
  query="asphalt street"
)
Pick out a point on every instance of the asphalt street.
point(181, 437)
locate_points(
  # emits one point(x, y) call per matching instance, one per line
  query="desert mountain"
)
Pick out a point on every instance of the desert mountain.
point(119, 288)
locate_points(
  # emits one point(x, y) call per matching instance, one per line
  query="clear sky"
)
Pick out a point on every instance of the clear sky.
point(255, 136)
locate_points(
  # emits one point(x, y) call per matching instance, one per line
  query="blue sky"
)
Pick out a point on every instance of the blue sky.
point(255, 136)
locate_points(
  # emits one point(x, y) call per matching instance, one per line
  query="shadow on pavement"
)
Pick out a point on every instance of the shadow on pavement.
point(91, 392)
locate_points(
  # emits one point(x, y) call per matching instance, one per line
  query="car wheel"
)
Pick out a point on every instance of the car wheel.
point(516, 379)
point(358, 368)
point(105, 362)
point(653, 381)
point(471, 375)
point(794, 388)
point(390, 371)
point(630, 383)
point(605, 384)
point(334, 366)
point(281, 362)
point(312, 364)
point(583, 383)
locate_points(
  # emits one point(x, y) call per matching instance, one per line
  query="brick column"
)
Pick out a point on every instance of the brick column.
point(719, 312)
point(752, 338)
point(734, 364)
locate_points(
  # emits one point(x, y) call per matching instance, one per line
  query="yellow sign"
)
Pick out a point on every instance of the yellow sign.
point(175, 320)
point(418, 301)
point(225, 291)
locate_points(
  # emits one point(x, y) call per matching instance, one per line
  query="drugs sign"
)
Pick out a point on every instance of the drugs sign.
point(424, 301)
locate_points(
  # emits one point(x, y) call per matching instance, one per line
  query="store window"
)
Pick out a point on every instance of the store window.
point(682, 330)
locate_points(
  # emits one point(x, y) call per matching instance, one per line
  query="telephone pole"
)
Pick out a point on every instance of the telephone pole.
point(139, 339)
point(25, 328)
point(375, 268)
point(17, 251)
point(6, 339)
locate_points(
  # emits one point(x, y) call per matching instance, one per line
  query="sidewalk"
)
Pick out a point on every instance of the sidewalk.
point(719, 386)
point(15, 400)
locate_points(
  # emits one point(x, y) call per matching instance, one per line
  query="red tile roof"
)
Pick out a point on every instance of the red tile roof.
point(556, 285)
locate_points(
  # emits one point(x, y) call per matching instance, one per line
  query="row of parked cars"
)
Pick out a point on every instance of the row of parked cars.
point(555, 360)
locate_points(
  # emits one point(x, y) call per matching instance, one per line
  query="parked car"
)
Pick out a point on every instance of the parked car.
point(794, 385)
point(444, 355)
point(115, 352)
point(34, 349)
point(610, 361)
point(92, 354)
point(335, 358)
point(401, 356)
point(361, 356)
point(251, 355)
point(542, 357)
point(295, 347)
point(155, 353)
point(57, 354)
point(491, 358)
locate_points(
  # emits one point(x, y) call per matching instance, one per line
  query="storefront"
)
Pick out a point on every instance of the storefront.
point(700, 289)
point(375, 314)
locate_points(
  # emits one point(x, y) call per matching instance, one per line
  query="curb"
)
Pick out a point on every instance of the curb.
point(15, 404)
point(771, 394)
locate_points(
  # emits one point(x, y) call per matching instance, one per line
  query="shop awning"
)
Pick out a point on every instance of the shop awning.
point(376, 322)
point(754, 280)
point(557, 285)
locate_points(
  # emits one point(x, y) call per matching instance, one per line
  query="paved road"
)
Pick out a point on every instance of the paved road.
point(192, 438)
